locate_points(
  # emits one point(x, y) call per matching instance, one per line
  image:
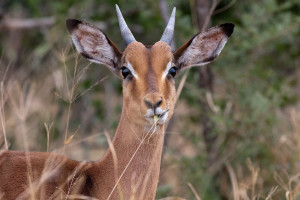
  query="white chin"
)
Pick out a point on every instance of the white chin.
point(160, 120)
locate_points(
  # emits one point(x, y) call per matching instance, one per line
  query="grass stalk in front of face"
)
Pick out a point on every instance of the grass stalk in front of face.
point(2, 113)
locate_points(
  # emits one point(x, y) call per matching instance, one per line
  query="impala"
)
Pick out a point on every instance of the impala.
point(130, 168)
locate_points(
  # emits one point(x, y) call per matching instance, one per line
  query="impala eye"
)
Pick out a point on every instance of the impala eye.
point(173, 71)
point(125, 72)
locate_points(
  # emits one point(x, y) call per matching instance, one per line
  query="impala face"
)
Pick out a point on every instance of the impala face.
point(148, 82)
point(148, 72)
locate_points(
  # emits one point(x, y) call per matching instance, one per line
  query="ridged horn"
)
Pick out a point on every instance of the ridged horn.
point(125, 31)
point(169, 31)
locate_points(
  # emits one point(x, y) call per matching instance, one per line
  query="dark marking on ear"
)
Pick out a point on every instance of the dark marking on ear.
point(191, 40)
point(115, 48)
point(181, 49)
point(209, 59)
point(84, 54)
point(72, 24)
point(115, 65)
point(228, 28)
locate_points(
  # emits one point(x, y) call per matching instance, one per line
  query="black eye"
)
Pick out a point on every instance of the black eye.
point(125, 72)
point(173, 71)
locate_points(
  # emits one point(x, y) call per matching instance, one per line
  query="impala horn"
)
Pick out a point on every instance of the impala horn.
point(125, 31)
point(169, 31)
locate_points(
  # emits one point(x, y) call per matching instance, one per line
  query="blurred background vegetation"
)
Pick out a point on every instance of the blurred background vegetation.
point(235, 133)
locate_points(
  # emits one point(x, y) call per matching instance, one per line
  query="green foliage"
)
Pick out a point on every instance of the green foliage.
point(256, 71)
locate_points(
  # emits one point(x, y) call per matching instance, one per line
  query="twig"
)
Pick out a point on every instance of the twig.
point(2, 113)
point(211, 103)
point(90, 88)
point(181, 84)
point(207, 19)
point(229, 5)
point(48, 128)
point(234, 181)
point(194, 191)
point(13, 24)
point(164, 10)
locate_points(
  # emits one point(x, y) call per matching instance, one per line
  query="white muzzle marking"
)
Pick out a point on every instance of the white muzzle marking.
point(162, 115)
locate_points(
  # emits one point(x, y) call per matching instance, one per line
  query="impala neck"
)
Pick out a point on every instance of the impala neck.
point(138, 156)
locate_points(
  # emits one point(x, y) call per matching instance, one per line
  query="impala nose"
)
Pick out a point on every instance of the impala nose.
point(153, 101)
point(152, 105)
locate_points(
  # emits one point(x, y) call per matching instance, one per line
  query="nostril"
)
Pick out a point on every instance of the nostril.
point(158, 103)
point(149, 104)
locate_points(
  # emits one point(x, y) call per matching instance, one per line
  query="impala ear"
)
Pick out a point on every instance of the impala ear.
point(203, 47)
point(93, 44)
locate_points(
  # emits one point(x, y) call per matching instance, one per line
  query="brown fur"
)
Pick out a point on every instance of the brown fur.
point(37, 175)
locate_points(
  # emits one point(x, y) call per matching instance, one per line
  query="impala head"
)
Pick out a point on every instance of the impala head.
point(148, 72)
